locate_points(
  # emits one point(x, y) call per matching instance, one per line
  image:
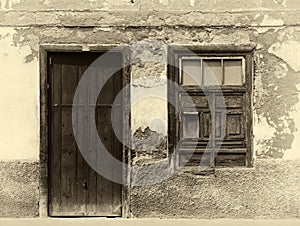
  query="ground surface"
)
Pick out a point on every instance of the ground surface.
point(144, 222)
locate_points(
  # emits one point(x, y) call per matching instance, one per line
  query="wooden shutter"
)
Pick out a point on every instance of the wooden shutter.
point(204, 109)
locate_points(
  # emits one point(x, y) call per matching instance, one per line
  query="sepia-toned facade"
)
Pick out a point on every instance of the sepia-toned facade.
point(258, 176)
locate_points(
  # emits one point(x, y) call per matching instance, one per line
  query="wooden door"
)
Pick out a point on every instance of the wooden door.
point(75, 188)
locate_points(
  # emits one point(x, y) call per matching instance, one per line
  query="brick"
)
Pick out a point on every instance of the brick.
point(79, 5)
point(144, 18)
point(16, 18)
point(281, 4)
point(47, 18)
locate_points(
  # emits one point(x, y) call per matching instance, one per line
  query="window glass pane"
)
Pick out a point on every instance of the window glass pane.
point(191, 70)
point(191, 125)
point(233, 72)
point(212, 72)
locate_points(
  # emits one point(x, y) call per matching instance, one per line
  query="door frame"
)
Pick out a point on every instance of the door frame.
point(44, 119)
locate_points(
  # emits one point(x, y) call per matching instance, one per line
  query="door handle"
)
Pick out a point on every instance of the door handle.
point(84, 185)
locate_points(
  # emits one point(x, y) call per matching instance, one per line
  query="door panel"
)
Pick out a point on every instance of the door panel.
point(75, 188)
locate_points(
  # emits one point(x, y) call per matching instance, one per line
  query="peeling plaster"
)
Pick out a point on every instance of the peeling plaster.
point(289, 51)
point(149, 108)
point(275, 93)
point(262, 131)
point(267, 23)
point(165, 2)
point(148, 145)
point(19, 109)
point(270, 21)
point(282, 2)
point(274, 101)
point(8, 4)
point(149, 82)
point(23, 38)
point(294, 152)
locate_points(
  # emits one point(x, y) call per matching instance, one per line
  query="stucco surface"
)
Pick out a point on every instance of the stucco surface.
point(269, 190)
point(19, 189)
point(276, 75)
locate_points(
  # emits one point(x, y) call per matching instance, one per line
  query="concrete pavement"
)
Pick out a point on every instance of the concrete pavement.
point(143, 222)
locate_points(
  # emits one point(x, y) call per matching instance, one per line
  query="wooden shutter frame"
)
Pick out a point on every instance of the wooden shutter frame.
point(175, 52)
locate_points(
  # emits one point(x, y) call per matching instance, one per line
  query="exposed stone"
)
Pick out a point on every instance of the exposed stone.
point(148, 144)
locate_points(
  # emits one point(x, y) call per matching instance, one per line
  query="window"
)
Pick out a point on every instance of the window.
point(214, 108)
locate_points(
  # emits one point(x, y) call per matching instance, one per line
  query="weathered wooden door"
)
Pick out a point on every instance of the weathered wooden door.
point(75, 189)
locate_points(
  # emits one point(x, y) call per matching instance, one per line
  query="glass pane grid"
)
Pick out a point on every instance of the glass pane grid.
point(212, 71)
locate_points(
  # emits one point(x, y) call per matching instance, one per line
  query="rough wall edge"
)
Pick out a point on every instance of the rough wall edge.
point(159, 199)
point(145, 10)
point(19, 188)
point(247, 47)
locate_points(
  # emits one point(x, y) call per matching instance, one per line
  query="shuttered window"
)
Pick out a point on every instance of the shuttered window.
point(214, 112)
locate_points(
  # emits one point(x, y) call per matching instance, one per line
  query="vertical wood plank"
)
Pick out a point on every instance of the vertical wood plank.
point(117, 145)
point(81, 164)
point(55, 143)
point(249, 104)
point(105, 189)
point(213, 130)
point(91, 174)
point(104, 186)
point(68, 152)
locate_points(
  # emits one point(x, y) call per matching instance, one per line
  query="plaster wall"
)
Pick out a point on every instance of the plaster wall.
point(273, 25)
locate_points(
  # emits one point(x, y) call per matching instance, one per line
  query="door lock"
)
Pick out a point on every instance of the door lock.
point(85, 185)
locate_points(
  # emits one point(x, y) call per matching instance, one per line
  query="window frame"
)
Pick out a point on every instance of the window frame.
point(203, 58)
point(175, 53)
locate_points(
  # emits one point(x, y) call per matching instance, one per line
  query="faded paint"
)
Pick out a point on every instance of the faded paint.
point(149, 109)
point(8, 4)
point(270, 189)
point(262, 131)
point(294, 152)
point(274, 82)
point(282, 2)
point(276, 94)
point(270, 21)
point(19, 110)
point(289, 51)
point(267, 23)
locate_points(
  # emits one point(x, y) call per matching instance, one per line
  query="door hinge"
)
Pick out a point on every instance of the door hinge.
point(50, 61)
point(47, 86)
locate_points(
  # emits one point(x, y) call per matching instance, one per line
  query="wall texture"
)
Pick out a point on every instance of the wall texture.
point(270, 189)
point(19, 195)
